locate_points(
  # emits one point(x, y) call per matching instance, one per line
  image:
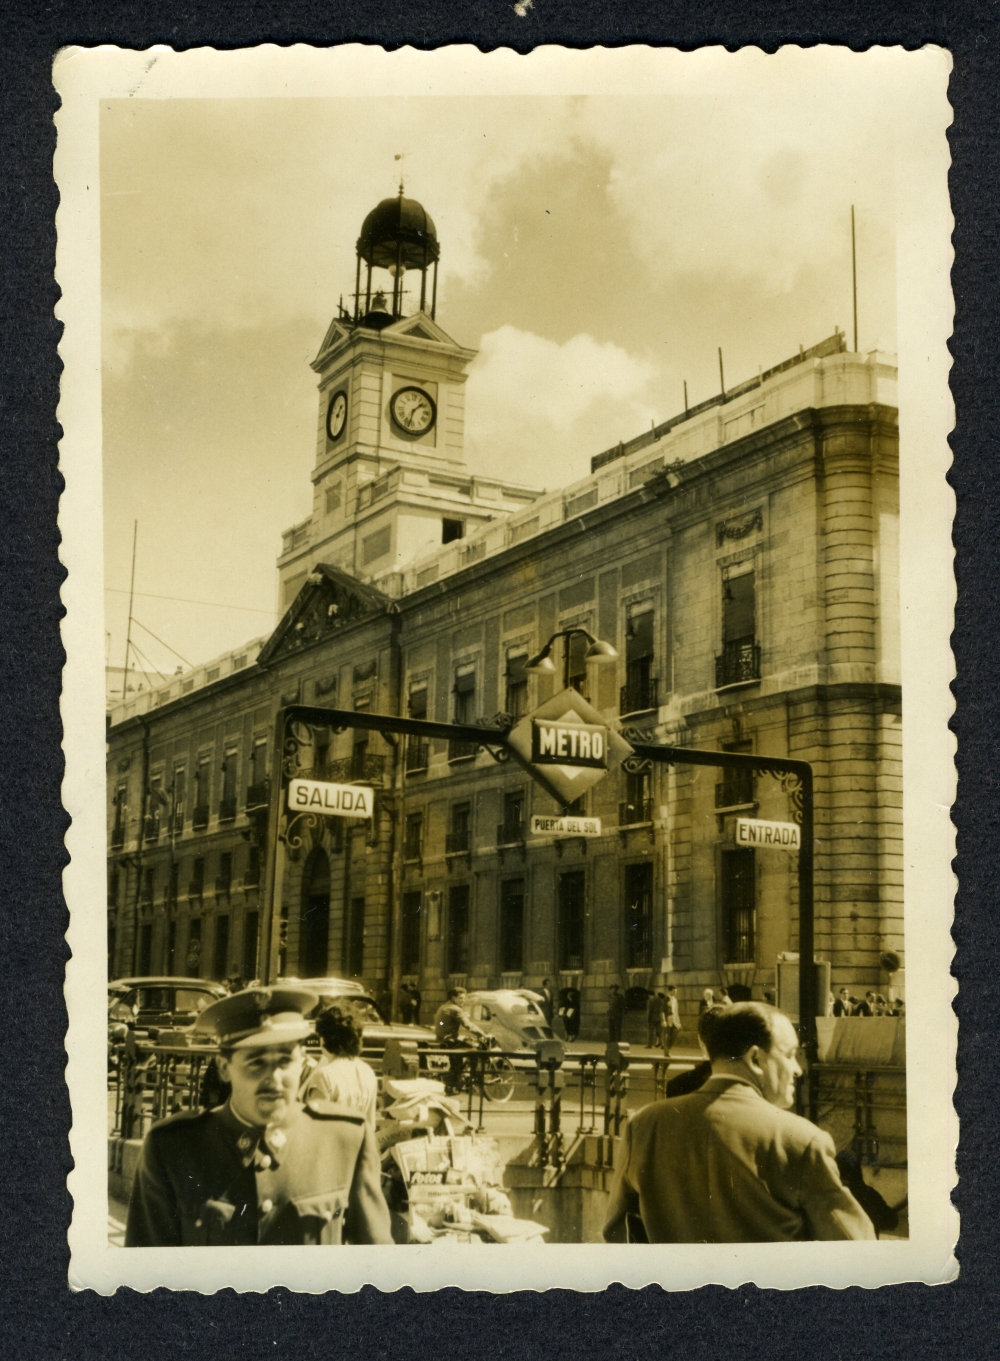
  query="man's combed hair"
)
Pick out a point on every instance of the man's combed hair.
point(454, 992)
point(338, 1033)
point(728, 1032)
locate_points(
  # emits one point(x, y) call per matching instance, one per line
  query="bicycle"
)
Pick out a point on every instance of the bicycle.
point(493, 1076)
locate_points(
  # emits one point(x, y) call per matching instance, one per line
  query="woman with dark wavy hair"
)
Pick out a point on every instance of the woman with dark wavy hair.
point(342, 1076)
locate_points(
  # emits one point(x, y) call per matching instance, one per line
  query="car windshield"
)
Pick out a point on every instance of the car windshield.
point(192, 999)
point(522, 1007)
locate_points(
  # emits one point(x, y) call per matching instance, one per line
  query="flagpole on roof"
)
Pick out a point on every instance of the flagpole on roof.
point(128, 632)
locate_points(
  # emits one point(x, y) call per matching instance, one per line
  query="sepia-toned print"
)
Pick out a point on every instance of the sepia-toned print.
point(505, 616)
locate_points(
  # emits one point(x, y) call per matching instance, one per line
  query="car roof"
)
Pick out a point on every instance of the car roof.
point(327, 987)
point(167, 980)
point(505, 996)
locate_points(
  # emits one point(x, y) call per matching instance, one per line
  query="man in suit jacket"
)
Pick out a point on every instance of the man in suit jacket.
point(263, 1168)
point(730, 1163)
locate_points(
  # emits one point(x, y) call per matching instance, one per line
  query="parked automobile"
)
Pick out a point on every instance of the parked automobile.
point(352, 998)
point(512, 1017)
point(149, 1005)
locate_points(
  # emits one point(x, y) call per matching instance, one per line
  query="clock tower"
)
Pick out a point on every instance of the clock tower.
point(390, 479)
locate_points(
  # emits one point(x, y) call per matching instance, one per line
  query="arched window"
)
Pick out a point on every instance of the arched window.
point(315, 936)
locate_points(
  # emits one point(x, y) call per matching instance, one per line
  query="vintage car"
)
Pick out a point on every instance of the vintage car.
point(350, 996)
point(149, 1005)
point(513, 1017)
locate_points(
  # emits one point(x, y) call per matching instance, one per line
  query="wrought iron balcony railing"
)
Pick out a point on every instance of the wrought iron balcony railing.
point(251, 877)
point(736, 792)
point(258, 794)
point(365, 767)
point(510, 833)
point(227, 809)
point(461, 751)
point(636, 696)
point(117, 837)
point(417, 754)
point(199, 817)
point(151, 828)
point(223, 885)
point(739, 662)
point(457, 843)
point(196, 889)
point(630, 813)
point(177, 821)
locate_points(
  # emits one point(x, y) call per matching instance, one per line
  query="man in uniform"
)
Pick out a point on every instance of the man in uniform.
point(263, 1168)
point(730, 1163)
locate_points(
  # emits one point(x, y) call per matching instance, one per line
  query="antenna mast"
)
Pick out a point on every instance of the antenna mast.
point(128, 632)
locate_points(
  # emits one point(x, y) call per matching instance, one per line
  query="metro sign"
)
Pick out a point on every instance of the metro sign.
point(331, 800)
point(566, 746)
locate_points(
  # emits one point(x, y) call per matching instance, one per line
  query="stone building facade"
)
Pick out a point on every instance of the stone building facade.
point(741, 559)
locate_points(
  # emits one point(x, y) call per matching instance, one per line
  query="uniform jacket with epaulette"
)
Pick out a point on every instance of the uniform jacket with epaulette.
point(208, 1179)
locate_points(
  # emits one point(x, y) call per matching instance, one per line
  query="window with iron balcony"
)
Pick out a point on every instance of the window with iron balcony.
point(637, 805)
point(457, 839)
point(417, 748)
point(464, 710)
point(413, 836)
point(639, 693)
point(511, 831)
point(739, 661)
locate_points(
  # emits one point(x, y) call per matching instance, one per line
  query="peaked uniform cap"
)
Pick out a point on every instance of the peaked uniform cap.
point(259, 1017)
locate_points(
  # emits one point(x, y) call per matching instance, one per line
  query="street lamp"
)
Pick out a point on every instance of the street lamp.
point(598, 651)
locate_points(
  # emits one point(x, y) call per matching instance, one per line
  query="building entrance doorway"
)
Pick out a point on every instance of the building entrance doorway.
point(315, 940)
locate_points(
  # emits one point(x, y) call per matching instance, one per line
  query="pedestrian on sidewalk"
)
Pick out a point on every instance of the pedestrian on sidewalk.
point(654, 1018)
point(671, 1025)
point(616, 1014)
point(569, 1010)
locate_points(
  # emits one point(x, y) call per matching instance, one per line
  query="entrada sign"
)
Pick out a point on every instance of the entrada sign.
point(331, 800)
point(780, 836)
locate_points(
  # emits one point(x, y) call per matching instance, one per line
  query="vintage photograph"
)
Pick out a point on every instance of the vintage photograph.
point(504, 689)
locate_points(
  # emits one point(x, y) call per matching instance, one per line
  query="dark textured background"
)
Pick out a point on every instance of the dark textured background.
point(40, 1317)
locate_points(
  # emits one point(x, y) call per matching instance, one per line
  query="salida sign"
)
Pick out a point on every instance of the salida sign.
point(331, 800)
point(566, 746)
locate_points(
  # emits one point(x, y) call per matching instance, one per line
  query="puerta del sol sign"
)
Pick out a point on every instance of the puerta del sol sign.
point(566, 746)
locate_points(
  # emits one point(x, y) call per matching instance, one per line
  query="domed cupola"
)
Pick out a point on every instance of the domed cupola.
point(397, 236)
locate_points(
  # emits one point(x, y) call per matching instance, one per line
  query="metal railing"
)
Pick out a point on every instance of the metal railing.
point(367, 767)
point(636, 696)
point(631, 813)
point(177, 822)
point(199, 817)
point(117, 837)
point(457, 843)
point(461, 751)
point(258, 794)
point(151, 828)
point(738, 662)
point(510, 833)
point(223, 885)
point(196, 889)
point(737, 793)
point(227, 809)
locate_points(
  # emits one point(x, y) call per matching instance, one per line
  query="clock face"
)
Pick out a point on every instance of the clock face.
point(336, 415)
point(413, 410)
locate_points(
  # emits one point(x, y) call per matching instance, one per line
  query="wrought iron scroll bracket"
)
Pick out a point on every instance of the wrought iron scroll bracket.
point(791, 785)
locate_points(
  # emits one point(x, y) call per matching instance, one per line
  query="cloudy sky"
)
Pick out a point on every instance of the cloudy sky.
point(595, 251)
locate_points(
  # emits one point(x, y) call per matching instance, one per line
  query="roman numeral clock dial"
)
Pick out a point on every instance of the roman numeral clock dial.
point(412, 410)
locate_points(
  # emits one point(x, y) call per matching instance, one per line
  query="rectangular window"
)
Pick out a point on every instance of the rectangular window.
point(333, 497)
point(460, 833)
point(736, 786)
point(376, 545)
point(251, 925)
point(463, 711)
point(638, 803)
point(173, 884)
point(120, 813)
point(224, 881)
point(147, 888)
point(740, 657)
point(413, 836)
point(572, 890)
point(114, 879)
point(639, 916)
point(452, 530)
point(202, 792)
point(511, 830)
point(639, 690)
point(412, 903)
point(154, 808)
point(578, 645)
point(196, 888)
point(516, 698)
point(220, 955)
point(458, 929)
point(512, 926)
point(251, 878)
point(146, 948)
point(739, 906)
point(355, 943)
point(227, 801)
point(258, 761)
point(179, 793)
point(417, 748)
point(171, 946)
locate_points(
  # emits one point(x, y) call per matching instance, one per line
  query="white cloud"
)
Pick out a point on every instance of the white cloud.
point(536, 411)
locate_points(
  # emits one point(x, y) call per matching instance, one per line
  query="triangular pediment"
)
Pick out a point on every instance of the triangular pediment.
point(330, 600)
point(335, 333)
point(419, 327)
